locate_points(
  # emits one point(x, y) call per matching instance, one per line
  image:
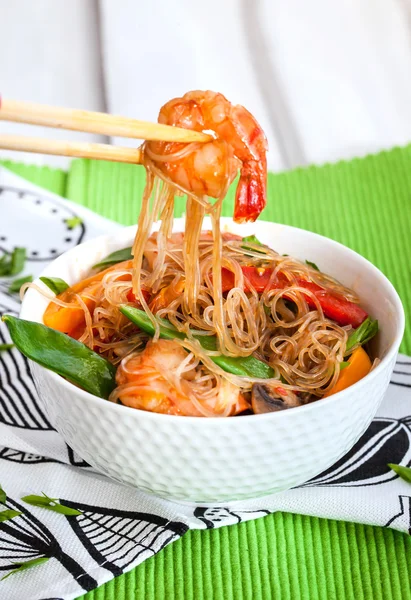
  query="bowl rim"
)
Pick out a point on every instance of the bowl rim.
point(339, 396)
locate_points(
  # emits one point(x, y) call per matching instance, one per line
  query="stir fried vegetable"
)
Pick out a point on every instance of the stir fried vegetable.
point(367, 330)
point(335, 307)
point(68, 319)
point(63, 355)
point(243, 366)
point(251, 239)
point(52, 348)
point(359, 365)
point(251, 242)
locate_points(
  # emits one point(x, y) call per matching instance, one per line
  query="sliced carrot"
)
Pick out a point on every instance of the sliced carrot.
point(67, 319)
point(359, 365)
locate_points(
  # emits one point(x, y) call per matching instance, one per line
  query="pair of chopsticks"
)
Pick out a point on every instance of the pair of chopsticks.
point(90, 122)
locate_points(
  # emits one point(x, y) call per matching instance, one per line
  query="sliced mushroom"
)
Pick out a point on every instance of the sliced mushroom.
point(271, 397)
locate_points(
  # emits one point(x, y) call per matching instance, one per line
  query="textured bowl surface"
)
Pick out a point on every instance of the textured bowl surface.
point(219, 460)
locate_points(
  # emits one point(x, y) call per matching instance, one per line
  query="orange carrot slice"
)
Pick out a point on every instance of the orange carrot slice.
point(67, 319)
point(359, 365)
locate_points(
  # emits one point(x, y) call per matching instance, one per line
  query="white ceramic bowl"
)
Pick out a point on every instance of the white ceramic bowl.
point(218, 460)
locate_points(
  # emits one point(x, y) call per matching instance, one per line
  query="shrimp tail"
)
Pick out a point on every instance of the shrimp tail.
point(250, 197)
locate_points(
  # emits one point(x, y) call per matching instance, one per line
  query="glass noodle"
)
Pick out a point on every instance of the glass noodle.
point(303, 347)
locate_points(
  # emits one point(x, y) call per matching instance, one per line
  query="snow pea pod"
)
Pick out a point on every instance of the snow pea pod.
point(247, 366)
point(63, 355)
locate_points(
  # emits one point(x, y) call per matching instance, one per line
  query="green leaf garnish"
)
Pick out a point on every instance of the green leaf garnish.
point(3, 496)
point(15, 285)
point(4, 348)
point(50, 504)
point(13, 264)
point(73, 222)
point(252, 239)
point(114, 258)
point(55, 284)
point(403, 472)
point(362, 334)
point(6, 515)
point(344, 365)
point(25, 565)
point(312, 265)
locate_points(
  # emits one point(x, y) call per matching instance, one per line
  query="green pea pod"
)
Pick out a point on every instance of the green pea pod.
point(247, 366)
point(63, 355)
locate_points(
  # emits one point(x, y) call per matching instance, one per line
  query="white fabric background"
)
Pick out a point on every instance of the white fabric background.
point(327, 80)
point(50, 53)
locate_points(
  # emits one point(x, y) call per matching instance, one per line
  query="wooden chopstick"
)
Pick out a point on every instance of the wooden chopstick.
point(77, 149)
point(94, 122)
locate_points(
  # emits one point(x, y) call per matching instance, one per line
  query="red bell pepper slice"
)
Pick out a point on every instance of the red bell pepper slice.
point(335, 307)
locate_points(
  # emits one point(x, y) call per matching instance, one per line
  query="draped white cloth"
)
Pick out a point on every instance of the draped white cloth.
point(327, 80)
point(50, 53)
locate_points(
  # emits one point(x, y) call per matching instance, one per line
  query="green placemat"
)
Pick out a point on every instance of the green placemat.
point(365, 204)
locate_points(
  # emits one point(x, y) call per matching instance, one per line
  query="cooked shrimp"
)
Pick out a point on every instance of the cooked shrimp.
point(207, 169)
point(164, 378)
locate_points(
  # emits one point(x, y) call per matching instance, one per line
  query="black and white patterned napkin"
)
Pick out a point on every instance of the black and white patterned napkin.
point(119, 527)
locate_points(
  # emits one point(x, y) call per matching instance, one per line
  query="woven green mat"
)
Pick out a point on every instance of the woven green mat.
point(365, 204)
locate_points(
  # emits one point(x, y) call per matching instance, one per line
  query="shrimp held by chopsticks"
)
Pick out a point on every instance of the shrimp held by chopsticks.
point(207, 169)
